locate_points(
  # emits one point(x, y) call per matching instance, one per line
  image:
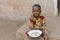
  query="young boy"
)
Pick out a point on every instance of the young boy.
point(37, 21)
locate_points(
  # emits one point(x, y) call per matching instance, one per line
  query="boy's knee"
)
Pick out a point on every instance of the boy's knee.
point(45, 36)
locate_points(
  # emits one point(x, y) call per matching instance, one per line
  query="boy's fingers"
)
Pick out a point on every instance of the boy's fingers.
point(26, 33)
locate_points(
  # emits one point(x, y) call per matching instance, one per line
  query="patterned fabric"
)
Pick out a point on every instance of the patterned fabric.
point(38, 23)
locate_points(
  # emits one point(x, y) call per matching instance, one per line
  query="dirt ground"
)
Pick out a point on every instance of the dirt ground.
point(53, 27)
point(8, 28)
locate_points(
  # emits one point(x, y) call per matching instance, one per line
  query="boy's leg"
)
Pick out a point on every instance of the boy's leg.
point(45, 35)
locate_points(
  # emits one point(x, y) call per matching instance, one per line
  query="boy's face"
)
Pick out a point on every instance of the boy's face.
point(36, 11)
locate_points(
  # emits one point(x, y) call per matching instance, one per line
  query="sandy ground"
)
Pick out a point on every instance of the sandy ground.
point(53, 27)
point(8, 29)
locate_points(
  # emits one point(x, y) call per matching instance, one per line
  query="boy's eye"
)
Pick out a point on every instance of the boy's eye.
point(35, 10)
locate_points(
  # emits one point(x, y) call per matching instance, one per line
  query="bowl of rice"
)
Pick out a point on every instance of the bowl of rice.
point(35, 33)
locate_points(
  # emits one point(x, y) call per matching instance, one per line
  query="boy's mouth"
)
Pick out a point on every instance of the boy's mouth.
point(36, 16)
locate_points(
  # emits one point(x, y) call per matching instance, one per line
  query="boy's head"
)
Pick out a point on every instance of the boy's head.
point(36, 9)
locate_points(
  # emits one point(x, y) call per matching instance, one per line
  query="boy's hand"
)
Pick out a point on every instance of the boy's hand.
point(43, 31)
point(36, 27)
point(30, 28)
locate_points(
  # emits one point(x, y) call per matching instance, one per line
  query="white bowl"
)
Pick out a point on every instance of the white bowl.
point(34, 33)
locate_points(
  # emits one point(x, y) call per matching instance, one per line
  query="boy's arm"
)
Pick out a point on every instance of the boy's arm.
point(31, 25)
point(44, 24)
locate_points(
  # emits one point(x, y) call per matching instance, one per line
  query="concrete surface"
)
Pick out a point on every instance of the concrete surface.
point(15, 9)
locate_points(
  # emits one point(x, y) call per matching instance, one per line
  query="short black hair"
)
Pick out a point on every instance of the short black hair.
point(37, 6)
